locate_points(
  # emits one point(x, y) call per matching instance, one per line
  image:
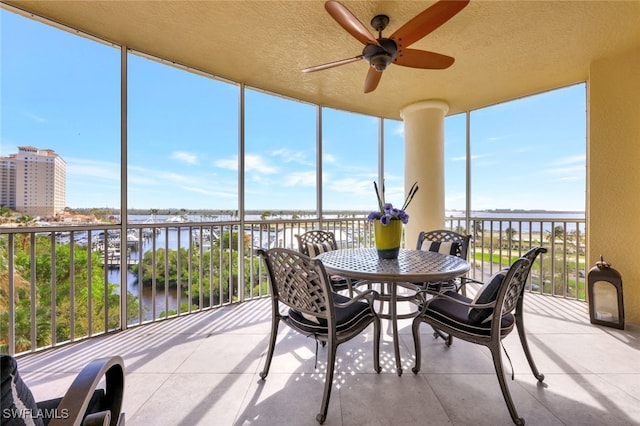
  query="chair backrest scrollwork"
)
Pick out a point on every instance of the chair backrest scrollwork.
point(298, 281)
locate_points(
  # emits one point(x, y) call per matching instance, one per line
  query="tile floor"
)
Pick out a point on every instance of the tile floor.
point(204, 369)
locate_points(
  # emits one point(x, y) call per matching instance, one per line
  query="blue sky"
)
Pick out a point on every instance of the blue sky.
point(62, 92)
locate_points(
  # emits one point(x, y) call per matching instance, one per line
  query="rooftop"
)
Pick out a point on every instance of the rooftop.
point(204, 369)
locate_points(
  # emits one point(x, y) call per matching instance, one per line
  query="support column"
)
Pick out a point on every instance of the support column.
point(424, 163)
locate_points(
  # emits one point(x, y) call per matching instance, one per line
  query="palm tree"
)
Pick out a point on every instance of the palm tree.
point(26, 220)
point(477, 227)
point(556, 234)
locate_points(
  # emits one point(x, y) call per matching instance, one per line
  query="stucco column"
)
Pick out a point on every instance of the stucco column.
point(424, 163)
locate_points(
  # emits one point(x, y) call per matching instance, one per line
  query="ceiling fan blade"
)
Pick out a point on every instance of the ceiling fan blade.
point(349, 22)
point(372, 80)
point(427, 21)
point(422, 59)
point(332, 64)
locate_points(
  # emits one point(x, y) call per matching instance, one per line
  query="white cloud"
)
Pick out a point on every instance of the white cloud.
point(175, 177)
point(34, 117)
point(572, 159)
point(6, 149)
point(473, 157)
point(351, 186)
point(227, 163)
point(255, 163)
point(329, 158)
point(210, 193)
point(572, 167)
point(307, 179)
point(289, 156)
point(567, 170)
point(186, 157)
point(252, 163)
point(81, 169)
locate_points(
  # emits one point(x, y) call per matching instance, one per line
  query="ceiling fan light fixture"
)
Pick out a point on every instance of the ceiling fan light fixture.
point(380, 61)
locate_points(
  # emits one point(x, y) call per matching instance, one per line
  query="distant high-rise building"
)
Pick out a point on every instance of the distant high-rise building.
point(8, 181)
point(33, 181)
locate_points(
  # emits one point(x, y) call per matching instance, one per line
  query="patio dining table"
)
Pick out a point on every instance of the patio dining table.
point(411, 266)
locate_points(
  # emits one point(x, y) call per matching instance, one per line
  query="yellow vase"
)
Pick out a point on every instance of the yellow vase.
point(388, 238)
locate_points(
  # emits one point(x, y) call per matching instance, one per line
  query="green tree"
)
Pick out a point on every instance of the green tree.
point(70, 286)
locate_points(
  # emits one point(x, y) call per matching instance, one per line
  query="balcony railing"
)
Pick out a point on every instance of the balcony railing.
point(499, 241)
point(60, 284)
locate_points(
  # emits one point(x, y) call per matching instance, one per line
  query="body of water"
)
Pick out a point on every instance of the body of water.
point(523, 221)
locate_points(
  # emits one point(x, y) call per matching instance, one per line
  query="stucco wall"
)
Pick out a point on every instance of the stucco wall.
point(613, 171)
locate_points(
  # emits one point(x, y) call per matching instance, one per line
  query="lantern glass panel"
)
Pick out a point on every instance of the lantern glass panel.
point(605, 301)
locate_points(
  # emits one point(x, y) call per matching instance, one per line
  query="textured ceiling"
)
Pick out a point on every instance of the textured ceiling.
point(503, 49)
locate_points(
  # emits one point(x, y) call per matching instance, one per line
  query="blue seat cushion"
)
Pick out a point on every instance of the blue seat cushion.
point(456, 316)
point(346, 318)
point(487, 294)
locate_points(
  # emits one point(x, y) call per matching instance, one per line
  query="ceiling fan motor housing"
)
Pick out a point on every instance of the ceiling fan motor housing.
point(379, 57)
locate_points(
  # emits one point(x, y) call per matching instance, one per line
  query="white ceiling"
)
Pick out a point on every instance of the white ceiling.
point(503, 49)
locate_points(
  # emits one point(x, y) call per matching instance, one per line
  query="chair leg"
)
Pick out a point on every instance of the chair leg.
point(328, 382)
point(497, 363)
point(376, 345)
point(415, 327)
point(272, 344)
point(446, 337)
point(525, 346)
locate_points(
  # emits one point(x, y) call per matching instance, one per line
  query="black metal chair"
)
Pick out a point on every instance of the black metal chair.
point(302, 284)
point(445, 242)
point(84, 403)
point(313, 243)
point(484, 320)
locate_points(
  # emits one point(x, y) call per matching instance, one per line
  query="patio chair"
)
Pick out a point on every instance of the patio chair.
point(83, 403)
point(313, 243)
point(302, 284)
point(445, 242)
point(485, 320)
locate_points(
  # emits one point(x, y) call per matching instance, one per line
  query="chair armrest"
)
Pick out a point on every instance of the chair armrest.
point(75, 401)
point(369, 295)
point(466, 280)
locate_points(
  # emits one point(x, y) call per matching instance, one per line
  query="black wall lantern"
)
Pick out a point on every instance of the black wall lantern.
point(606, 306)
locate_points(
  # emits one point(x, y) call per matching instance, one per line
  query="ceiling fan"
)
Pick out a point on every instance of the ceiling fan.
point(380, 52)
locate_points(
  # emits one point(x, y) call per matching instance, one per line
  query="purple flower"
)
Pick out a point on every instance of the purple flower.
point(404, 217)
point(387, 212)
point(374, 215)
